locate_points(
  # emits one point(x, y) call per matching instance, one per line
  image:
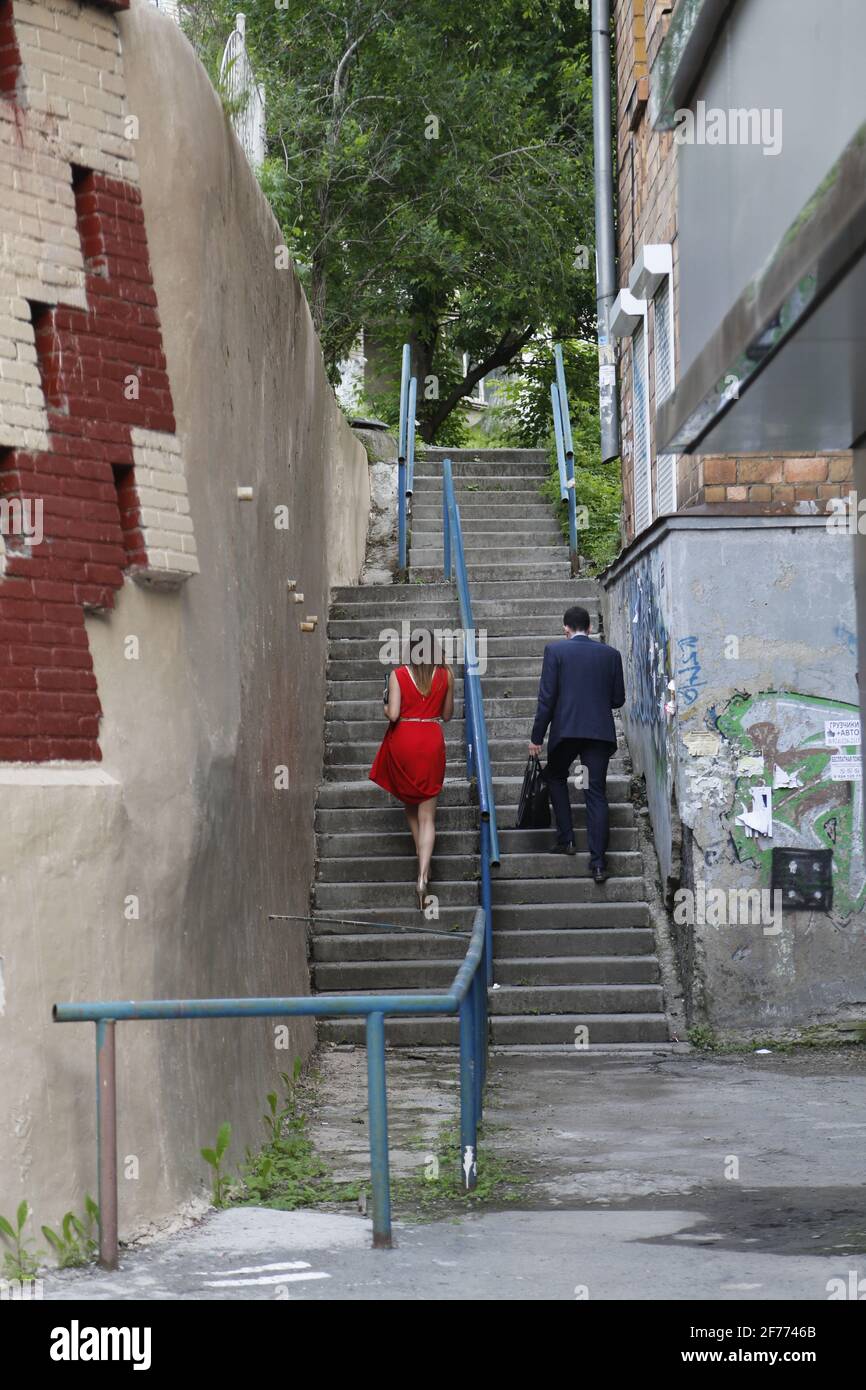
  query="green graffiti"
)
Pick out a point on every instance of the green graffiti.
point(811, 809)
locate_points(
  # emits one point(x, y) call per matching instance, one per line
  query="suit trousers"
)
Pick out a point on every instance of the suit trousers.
point(595, 754)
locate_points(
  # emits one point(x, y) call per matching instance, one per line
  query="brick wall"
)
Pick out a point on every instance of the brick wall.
point(647, 213)
point(89, 458)
point(647, 194)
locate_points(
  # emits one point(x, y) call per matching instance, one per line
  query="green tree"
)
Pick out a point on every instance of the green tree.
point(430, 165)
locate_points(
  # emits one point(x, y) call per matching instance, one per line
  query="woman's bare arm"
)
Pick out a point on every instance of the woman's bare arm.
point(392, 706)
point(448, 704)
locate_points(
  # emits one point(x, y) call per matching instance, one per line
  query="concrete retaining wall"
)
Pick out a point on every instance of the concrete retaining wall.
point(751, 622)
point(152, 873)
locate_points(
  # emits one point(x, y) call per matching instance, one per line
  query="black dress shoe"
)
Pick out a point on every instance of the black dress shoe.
point(600, 873)
point(559, 848)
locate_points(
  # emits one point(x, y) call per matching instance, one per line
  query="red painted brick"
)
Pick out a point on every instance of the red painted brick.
point(90, 517)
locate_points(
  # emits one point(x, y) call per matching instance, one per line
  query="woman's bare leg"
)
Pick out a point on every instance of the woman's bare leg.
point(412, 818)
point(426, 835)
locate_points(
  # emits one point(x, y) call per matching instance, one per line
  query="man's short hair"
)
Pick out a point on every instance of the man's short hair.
point(576, 618)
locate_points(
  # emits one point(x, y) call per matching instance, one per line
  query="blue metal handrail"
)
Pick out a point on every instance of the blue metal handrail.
point(467, 997)
point(405, 451)
point(564, 452)
point(475, 725)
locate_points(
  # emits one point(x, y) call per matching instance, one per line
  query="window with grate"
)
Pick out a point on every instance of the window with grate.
point(642, 494)
point(666, 464)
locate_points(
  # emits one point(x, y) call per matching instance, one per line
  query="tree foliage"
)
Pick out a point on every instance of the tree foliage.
point(430, 165)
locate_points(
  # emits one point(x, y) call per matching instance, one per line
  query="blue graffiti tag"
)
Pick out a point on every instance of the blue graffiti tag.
point(689, 667)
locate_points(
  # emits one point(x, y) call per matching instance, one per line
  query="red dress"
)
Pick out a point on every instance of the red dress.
point(410, 763)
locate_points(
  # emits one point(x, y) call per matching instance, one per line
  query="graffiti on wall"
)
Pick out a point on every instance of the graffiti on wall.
point(782, 742)
point(689, 679)
point(648, 659)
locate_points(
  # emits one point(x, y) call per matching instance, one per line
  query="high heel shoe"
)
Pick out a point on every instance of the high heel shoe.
point(421, 893)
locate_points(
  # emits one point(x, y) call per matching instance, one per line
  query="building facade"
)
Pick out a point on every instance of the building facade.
point(733, 600)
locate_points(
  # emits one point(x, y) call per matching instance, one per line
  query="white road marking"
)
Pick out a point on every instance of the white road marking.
point(263, 1269)
point(263, 1279)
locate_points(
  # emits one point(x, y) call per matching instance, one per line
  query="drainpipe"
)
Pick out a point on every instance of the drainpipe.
point(605, 236)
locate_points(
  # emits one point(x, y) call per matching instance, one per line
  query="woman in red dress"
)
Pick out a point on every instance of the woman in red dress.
point(410, 763)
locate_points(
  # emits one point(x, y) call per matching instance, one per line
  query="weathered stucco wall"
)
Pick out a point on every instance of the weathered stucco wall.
point(752, 619)
point(153, 873)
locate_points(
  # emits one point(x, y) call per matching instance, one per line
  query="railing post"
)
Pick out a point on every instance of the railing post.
point(468, 1113)
point(402, 449)
point(447, 485)
point(560, 446)
point(401, 513)
point(568, 452)
point(106, 1141)
point(377, 1104)
point(479, 986)
point(487, 900)
point(410, 436)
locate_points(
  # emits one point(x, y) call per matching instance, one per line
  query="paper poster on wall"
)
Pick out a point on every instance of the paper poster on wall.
point(758, 821)
point(841, 733)
point(846, 767)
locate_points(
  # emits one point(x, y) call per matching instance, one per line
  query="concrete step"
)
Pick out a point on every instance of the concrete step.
point(509, 948)
point(383, 818)
point(349, 791)
point(456, 791)
point(388, 947)
point(562, 918)
point(508, 1030)
point(564, 999)
point(548, 979)
point(435, 453)
point(575, 590)
point(508, 723)
point(356, 663)
point(540, 532)
point(507, 549)
point(494, 687)
point(379, 627)
point(427, 514)
point(581, 941)
point(506, 790)
point(479, 484)
point(610, 971)
point(362, 844)
point(522, 572)
point(346, 897)
point(481, 469)
point(572, 890)
point(401, 867)
point(548, 1029)
point(526, 647)
point(404, 1032)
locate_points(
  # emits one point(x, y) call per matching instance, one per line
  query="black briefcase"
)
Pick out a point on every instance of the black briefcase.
point(533, 808)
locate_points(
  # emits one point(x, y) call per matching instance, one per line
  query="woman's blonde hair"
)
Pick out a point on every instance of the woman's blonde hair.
point(423, 654)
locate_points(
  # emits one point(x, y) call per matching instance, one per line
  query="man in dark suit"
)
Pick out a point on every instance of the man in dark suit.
point(581, 685)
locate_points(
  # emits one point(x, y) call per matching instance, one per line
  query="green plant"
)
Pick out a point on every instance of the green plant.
point(440, 1184)
point(19, 1262)
point(76, 1242)
point(703, 1037)
point(215, 1157)
point(287, 1173)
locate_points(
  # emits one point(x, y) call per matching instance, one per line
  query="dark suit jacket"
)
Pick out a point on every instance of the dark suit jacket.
point(581, 684)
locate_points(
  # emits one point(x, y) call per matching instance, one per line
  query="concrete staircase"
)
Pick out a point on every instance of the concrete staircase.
point(566, 951)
